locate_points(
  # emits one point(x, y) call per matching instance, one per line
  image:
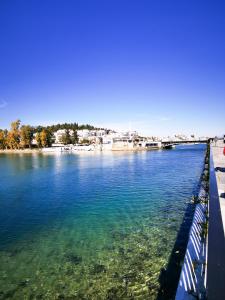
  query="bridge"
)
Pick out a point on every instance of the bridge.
point(178, 142)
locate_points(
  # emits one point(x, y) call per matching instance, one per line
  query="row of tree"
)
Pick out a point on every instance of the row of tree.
point(21, 137)
point(69, 126)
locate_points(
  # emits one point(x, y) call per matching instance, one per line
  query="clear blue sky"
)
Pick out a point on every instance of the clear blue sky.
point(155, 66)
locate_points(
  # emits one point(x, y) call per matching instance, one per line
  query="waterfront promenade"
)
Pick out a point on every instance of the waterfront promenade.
point(219, 165)
point(216, 225)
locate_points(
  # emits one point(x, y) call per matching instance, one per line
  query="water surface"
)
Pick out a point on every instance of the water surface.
point(92, 226)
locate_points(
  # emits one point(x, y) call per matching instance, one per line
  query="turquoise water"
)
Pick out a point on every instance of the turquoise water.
point(92, 226)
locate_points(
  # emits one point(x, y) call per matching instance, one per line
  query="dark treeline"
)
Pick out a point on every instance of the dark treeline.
point(22, 136)
point(72, 126)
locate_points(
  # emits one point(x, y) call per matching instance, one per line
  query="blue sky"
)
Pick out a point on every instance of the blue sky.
point(155, 66)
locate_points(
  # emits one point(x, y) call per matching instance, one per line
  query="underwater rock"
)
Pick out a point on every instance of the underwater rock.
point(129, 250)
point(116, 275)
point(129, 277)
point(52, 252)
point(173, 219)
point(9, 294)
point(97, 268)
point(14, 252)
point(137, 264)
point(60, 286)
point(121, 251)
point(69, 272)
point(144, 236)
point(40, 297)
point(61, 297)
point(24, 283)
point(164, 241)
point(151, 285)
point(78, 296)
point(73, 258)
point(1, 295)
point(109, 247)
point(160, 252)
point(144, 254)
point(116, 293)
point(118, 235)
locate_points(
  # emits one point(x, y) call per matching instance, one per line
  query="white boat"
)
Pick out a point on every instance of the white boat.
point(83, 148)
point(56, 149)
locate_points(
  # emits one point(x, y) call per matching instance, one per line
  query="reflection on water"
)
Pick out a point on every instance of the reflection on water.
point(91, 226)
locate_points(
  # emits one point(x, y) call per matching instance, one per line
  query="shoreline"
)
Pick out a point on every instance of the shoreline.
point(115, 150)
point(31, 151)
point(19, 151)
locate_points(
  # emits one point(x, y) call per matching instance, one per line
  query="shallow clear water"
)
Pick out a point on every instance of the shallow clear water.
point(92, 226)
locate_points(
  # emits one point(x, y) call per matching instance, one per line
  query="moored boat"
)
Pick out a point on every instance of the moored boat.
point(169, 146)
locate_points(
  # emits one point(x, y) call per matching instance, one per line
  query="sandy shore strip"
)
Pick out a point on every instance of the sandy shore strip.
point(20, 151)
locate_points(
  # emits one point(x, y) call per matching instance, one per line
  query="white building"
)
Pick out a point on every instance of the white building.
point(59, 134)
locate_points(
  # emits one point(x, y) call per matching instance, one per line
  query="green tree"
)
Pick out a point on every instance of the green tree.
point(66, 138)
point(74, 138)
point(26, 136)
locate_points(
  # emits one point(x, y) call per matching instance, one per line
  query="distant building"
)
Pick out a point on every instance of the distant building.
point(59, 134)
point(84, 133)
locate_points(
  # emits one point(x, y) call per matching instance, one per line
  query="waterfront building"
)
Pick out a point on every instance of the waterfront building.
point(123, 143)
point(153, 145)
point(59, 134)
point(84, 133)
